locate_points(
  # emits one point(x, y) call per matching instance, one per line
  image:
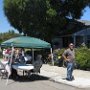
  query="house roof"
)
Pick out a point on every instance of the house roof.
point(82, 32)
point(75, 26)
point(85, 22)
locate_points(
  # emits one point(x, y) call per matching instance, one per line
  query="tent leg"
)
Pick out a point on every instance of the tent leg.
point(74, 39)
point(52, 57)
point(32, 55)
point(9, 66)
point(11, 56)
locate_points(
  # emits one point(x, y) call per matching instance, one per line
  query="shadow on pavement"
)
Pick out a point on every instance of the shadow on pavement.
point(33, 77)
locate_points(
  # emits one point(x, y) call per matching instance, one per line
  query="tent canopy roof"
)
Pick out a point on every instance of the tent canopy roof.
point(27, 42)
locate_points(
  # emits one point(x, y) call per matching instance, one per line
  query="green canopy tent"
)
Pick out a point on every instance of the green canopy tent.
point(27, 42)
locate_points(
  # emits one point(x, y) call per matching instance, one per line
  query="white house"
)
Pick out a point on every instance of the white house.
point(78, 38)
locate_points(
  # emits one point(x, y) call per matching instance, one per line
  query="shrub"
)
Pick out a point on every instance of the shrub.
point(83, 58)
point(57, 56)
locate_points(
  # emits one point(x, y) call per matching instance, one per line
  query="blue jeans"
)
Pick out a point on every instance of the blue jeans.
point(70, 68)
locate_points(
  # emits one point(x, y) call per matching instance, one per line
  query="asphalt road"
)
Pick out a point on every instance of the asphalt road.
point(35, 82)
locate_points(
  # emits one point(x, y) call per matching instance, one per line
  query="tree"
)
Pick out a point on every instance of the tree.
point(26, 16)
point(71, 8)
point(8, 35)
point(43, 18)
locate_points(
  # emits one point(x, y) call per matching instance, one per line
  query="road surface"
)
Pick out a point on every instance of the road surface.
point(35, 82)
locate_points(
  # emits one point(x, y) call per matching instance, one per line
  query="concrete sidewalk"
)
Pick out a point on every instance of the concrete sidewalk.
point(58, 74)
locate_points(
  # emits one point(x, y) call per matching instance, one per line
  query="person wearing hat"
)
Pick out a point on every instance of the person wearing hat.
point(69, 57)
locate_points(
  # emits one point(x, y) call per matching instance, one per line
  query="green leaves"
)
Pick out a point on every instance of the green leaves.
point(43, 18)
point(83, 58)
point(8, 35)
point(25, 15)
point(51, 12)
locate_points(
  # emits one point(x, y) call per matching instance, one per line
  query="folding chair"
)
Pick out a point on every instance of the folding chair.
point(3, 72)
point(37, 64)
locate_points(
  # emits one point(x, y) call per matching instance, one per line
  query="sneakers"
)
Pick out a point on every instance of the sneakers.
point(73, 78)
point(70, 79)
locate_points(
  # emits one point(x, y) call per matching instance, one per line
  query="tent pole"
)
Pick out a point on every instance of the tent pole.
point(52, 56)
point(74, 40)
point(32, 55)
point(12, 52)
point(9, 68)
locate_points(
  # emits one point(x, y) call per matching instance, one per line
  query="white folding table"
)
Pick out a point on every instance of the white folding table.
point(23, 67)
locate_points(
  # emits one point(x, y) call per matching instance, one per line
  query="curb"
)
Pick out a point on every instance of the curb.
point(78, 82)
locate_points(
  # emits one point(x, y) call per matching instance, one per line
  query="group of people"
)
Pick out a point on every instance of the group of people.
point(6, 53)
point(19, 55)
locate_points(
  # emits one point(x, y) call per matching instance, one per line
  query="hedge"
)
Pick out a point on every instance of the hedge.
point(82, 57)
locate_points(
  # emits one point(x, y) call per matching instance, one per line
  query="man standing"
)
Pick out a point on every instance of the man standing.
point(69, 57)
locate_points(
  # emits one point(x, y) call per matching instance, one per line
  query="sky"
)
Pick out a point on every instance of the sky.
point(5, 25)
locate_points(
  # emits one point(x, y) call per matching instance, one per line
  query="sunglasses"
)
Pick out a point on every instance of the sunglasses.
point(71, 45)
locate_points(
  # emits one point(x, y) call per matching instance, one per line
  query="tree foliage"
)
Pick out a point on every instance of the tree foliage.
point(71, 8)
point(43, 18)
point(7, 35)
point(25, 15)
